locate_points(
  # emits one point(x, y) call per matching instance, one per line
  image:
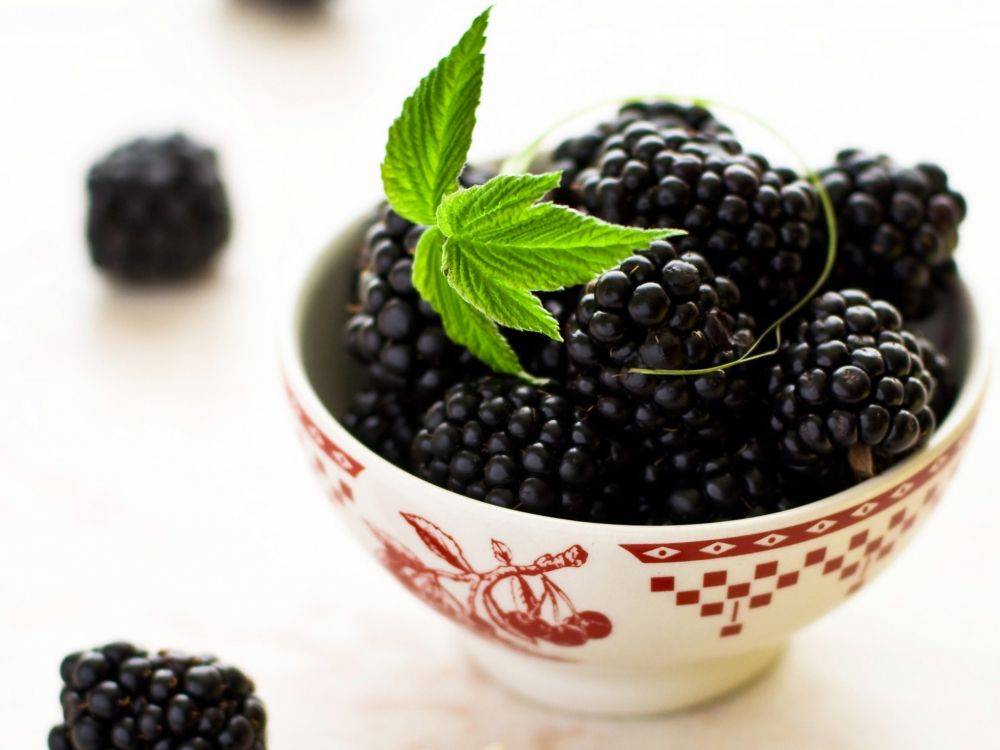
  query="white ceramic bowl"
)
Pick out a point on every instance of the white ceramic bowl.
point(626, 619)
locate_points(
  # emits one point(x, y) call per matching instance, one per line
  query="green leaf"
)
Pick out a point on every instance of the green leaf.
point(462, 322)
point(502, 245)
point(487, 206)
point(428, 142)
point(510, 306)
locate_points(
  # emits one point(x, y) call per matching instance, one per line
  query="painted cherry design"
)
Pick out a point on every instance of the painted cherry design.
point(518, 605)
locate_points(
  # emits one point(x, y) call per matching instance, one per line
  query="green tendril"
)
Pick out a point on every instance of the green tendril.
point(521, 162)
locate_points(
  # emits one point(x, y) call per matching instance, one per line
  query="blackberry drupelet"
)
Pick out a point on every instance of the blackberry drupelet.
point(515, 445)
point(120, 697)
point(850, 389)
point(898, 229)
point(383, 422)
point(754, 223)
point(158, 209)
point(665, 311)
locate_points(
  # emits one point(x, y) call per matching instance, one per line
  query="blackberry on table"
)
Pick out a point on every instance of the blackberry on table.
point(898, 228)
point(753, 223)
point(661, 310)
point(123, 698)
point(514, 445)
point(158, 209)
point(850, 389)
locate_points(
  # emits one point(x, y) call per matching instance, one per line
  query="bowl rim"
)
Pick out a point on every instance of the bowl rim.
point(305, 277)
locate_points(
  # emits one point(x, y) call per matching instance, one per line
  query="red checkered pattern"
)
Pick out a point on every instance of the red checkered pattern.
point(840, 557)
point(718, 597)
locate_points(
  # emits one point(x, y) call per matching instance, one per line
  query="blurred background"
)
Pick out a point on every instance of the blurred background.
point(150, 485)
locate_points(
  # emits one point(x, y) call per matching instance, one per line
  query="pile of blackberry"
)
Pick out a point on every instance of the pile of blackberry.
point(853, 389)
point(123, 698)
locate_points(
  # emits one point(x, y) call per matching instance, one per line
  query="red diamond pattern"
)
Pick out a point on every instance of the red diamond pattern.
point(688, 597)
point(761, 600)
point(816, 556)
point(661, 583)
point(832, 565)
point(738, 591)
point(766, 570)
point(849, 570)
point(710, 610)
point(717, 578)
point(858, 539)
point(788, 579)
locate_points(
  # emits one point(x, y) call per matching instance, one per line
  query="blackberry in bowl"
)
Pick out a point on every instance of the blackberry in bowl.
point(685, 611)
point(516, 445)
point(756, 224)
point(851, 387)
point(646, 527)
point(898, 229)
point(660, 310)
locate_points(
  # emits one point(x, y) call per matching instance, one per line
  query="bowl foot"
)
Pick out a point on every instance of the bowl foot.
point(609, 692)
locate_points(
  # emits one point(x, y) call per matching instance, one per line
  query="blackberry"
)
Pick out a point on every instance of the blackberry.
point(753, 223)
point(519, 446)
point(539, 354)
point(662, 310)
point(384, 423)
point(395, 333)
point(944, 376)
point(158, 209)
point(898, 228)
point(681, 484)
point(580, 152)
point(850, 388)
point(121, 697)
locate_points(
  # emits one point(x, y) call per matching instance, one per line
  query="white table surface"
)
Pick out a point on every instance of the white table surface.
point(150, 484)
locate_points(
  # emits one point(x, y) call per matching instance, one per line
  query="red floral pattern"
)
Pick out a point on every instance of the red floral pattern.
point(331, 450)
point(519, 606)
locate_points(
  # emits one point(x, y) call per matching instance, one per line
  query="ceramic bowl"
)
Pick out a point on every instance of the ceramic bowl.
point(601, 618)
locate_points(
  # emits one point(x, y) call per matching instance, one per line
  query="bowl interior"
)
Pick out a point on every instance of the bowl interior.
point(323, 313)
